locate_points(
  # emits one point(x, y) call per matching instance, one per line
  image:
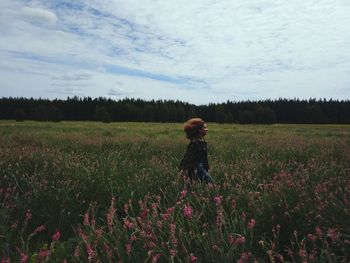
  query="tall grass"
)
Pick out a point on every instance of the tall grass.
point(92, 192)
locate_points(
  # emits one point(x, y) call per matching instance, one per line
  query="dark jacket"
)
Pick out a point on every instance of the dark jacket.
point(196, 153)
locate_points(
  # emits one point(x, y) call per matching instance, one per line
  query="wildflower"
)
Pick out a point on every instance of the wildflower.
point(90, 251)
point(193, 258)
point(128, 248)
point(110, 216)
point(82, 234)
point(251, 224)
point(333, 234)
point(218, 199)
point(126, 207)
point(311, 237)
point(127, 223)
point(86, 219)
point(172, 228)
point(244, 257)
point(28, 215)
point(318, 231)
point(23, 258)
point(230, 239)
point(144, 213)
point(233, 204)
point(77, 251)
point(240, 240)
point(44, 253)
point(302, 253)
point(170, 210)
point(5, 260)
point(56, 236)
point(187, 211)
point(99, 233)
point(219, 218)
point(173, 252)
point(165, 216)
point(39, 229)
point(243, 216)
point(156, 258)
point(14, 225)
point(183, 193)
point(159, 224)
point(215, 248)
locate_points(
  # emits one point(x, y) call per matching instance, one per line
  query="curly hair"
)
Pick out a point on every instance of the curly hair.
point(192, 127)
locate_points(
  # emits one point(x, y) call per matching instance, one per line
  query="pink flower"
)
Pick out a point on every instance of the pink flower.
point(173, 252)
point(5, 260)
point(126, 207)
point(39, 229)
point(218, 199)
point(251, 224)
point(333, 234)
point(44, 253)
point(311, 237)
point(233, 204)
point(23, 258)
point(187, 211)
point(302, 253)
point(86, 219)
point(156, 258)
point(230, 239)
point(244, 257)
point(240, 240)
point(318, 231)
point(90, 251)
point(183, 193)
point(127, 224)
point(56, 236)
point(170, 210)
point(28, 215)
point(172, 229)
point(128, 248)
point(165, 216)
point(110, 215)
point(159, 224)
point(215, 247)
point(243, 216)
point(144, 213)
point(219, 218)
point(193, 258)
point(14, 225)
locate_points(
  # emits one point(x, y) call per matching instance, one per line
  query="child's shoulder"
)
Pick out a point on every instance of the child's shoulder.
point(198, 141)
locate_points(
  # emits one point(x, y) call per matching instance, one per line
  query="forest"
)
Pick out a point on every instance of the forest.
point(309, 111)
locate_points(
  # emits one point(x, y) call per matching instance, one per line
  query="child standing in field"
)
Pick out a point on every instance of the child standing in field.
point(195, 165)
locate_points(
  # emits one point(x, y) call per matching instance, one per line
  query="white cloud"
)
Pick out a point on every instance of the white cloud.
point(38, 15)
point(215, 49)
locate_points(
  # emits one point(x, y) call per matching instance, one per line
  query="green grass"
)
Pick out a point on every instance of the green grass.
point(295, 177)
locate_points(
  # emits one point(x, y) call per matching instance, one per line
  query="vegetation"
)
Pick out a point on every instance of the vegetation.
point(107, 110)
point(98, 192)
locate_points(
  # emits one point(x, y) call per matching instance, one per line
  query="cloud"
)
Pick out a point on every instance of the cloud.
point(120, 92)
point(252, 49)
point(38, 15)
point(73, 77)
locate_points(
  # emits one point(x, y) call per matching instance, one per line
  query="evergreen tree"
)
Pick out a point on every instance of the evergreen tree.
point(20, 115)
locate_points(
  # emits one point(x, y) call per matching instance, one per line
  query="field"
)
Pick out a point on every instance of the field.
point(94, 192)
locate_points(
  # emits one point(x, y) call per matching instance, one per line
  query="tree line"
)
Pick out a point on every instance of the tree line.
point(109, 110)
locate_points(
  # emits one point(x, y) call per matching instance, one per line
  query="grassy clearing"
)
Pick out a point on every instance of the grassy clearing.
point(113, 192)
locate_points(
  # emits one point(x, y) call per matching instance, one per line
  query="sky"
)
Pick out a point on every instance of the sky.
point(198, 51)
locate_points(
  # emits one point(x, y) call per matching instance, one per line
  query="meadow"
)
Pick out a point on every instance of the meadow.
point(97, 192)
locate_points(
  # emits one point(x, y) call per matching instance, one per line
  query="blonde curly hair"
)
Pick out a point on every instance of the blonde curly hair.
point(192, 127)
